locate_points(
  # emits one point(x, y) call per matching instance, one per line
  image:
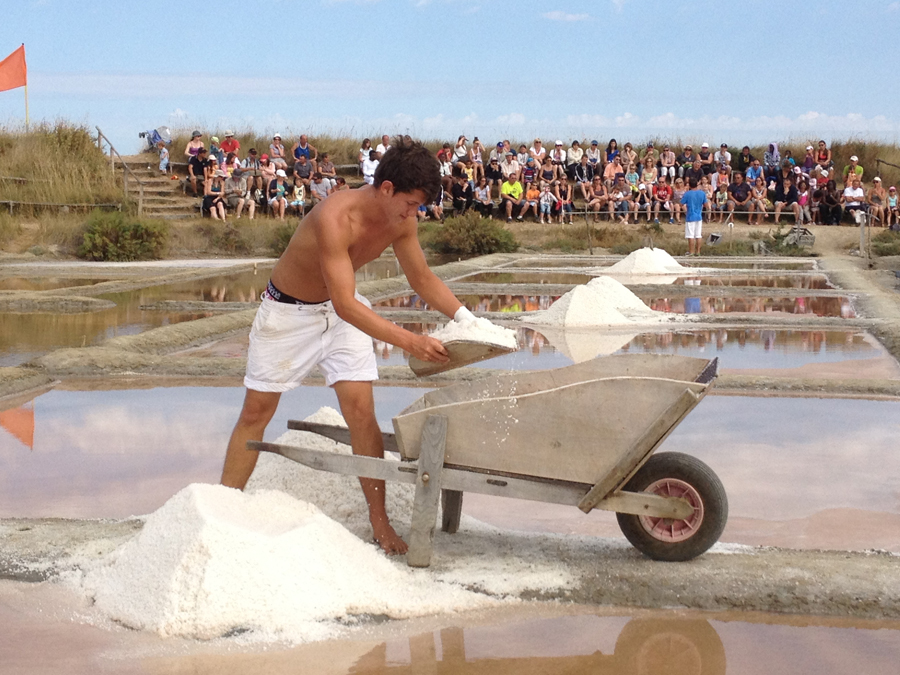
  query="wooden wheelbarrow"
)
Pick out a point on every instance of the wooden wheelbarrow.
point(583, 435)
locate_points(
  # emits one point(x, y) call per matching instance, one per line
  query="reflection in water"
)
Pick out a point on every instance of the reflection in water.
point(525, 278)
point(820, 306)
point(801, 281)
point(43, 283)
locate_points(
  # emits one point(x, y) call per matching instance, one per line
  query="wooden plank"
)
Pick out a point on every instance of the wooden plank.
point(348, 465)
point(576, 433)
point(462, 353)
point(422, 654)
point(428, 492)
point(658, 430)
point(339, 434)
point(451, 510)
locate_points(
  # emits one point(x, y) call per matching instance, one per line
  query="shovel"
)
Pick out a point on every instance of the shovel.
point(462, 353)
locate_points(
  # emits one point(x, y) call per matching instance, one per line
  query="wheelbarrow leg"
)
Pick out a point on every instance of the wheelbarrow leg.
point(451, 510)
point(428, 491)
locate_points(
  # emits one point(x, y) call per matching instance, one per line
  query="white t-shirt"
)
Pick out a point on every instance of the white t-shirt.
point(369, 166)
point(854, 196)
point(382, 148)
point(722, 157)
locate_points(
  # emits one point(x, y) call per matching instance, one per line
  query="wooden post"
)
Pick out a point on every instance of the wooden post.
point(451, 510)
point(141, 200)
point(428, 491)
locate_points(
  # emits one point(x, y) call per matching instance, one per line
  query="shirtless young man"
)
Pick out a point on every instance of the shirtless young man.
point(311, 314)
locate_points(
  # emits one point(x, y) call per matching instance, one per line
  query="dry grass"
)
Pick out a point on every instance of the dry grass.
point(60, 163)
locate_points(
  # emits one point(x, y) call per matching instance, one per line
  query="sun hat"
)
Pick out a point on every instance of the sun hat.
point(796, 169)
point(892, 188)
point(280, 173)
point(278, 136)
point(705, 145)
point(220, 173)
point(214, 139)
point(594, 143)
point(642, 187)
point(228, 133)
point(809, 147)
point(854, 158)
point(264, 157)
point(195, 134)
point(878, 178)
point(559, 142)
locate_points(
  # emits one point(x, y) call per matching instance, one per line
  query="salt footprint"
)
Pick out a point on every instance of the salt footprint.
point(213, 559)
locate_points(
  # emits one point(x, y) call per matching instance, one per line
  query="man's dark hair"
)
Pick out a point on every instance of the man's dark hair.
point(410, 166)
point(692, 183)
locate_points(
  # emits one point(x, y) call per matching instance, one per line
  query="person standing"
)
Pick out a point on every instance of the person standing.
point(694, 200)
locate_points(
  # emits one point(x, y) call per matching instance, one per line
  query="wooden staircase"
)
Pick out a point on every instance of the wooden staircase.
point(163, 197)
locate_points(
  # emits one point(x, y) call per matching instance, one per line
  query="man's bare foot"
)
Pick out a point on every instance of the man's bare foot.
point(388, 539)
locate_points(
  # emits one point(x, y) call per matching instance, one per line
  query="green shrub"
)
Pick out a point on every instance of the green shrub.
point(470, 233)
point(115, 236)
point(886, 243)
point(281, 237)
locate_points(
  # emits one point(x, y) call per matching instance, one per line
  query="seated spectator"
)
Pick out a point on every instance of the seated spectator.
point(237, 195)
point(632, 177)
point(436, 208)
point(613, 170)
point(369, 167)
point(493, 175)
point(852, 170)
point(786, 196)
point(649, 173)
point(522, 156)
point(628, 155)
point(511, 166)
point(694, 170)
point(722, 158)
point(268, 170)
point(302, 148)
point(707, 160)
point(296, 202)
point(197, 172)
point(754, 171)
point(685, 160)
point(854, 197)
point(892, 209)
point(744, 160)
point(340, 183)
point(230, 144)
point(548, 170)
point(704, 184)
point(483, 203)
point(532, 200)
point(460, 151)
point(643, 203)
point(720, 176)
point(650, 151)
point(598, 197)
point(595, 155)
point(573, 159)
point(215, 152)
point(771, 161)
point(739, 195)
point(662, 199)
point(759, 201)
point(529, 172)
point(557, 157)
point(803, 199)
point(303, 170)
point(619, 199)
point(831, 204)
point(194, 145)
point(252, 172)
point(319, 188)
point(584, 174)
point(789, 158)
point(476, 156)
point(667, 161)
point(720, 201)
point(823, 156)
point(565, 195)
point(384, 146)
point(816, 206)
point(546, 201)
point(214, 195)
point(779, 176)
point(498, 153)
point(678, 190)
point(276, 153)
point(231, 163)
point(364, 151)
point(611, 152)
point(445, 157)
point(511, 196)
point(326, 167)
point(822, 175)
point(809, 161)
point(537, 152)
point(278, 193)
point(461, 194)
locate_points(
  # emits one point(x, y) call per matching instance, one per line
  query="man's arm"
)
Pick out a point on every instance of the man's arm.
point(421, 278)
point(333, 238)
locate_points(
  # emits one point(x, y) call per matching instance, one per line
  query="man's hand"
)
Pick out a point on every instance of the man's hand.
point(427, 348)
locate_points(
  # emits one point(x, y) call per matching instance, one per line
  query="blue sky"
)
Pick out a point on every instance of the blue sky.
point(632, 69)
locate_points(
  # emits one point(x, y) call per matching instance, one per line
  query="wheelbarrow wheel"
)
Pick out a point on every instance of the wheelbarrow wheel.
point(672, 474)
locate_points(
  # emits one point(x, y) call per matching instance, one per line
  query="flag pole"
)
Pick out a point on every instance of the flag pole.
point(26, 107)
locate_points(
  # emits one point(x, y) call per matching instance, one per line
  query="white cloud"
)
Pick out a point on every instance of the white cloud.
point(563, 16)
point(894, 7)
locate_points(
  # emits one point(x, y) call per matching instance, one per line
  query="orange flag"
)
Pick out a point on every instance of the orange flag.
point(13, 72)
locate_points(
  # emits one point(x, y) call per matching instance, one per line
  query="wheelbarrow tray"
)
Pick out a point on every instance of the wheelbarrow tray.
point(576, 424)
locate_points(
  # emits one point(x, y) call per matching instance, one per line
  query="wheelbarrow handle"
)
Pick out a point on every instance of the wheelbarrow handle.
point(340, 434)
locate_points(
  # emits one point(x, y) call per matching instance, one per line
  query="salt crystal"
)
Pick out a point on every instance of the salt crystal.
point(646, 261)
point(479, 330)
point(601, 302)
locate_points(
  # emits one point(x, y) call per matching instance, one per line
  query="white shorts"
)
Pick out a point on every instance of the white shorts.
point(693, 229)
point(287, 340)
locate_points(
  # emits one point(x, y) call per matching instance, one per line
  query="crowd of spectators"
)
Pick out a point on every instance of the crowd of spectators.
point(544, 183)
point(625, 184)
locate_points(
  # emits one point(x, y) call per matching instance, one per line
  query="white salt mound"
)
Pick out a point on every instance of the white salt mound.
point(646, 261)
point(213, 559)
point(601, 302)
point(479, 330)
